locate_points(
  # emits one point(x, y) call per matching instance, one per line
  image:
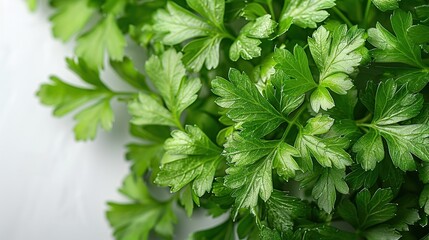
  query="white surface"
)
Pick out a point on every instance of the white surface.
point(52, 188)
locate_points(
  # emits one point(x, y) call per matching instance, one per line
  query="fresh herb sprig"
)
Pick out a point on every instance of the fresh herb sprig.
point(300, 119)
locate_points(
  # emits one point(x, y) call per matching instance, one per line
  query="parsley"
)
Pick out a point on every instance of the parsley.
point(296, 119)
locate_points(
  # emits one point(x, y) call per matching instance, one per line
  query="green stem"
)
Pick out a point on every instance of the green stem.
point(177, 122)
point(364, 119)
point(365, 16)
point(364, 125)
point(270, 7)
point(293, 122)
point(342, 16)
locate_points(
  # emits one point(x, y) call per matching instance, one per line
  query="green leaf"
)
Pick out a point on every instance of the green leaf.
point(86, 74)
point(344, 105)
point(253, 10)
point(269, 234)
point(424, 172)
point(71, 18)
point(211, 10)
point(328, 152)
point(324, 191)
point(168, 75)
point(416, 79)
point(247, 44)
point(295, 66)
point(386, 5)
point(424, 199)
point(283, 210)
point(200, 51)
point(245, 47)
point(320, 232)
point(66, 98)
point(129, 73)
point(191, 157)
point(369, 150)
point(223, 231)
point(405, 140)
point(395, 48)
point(148, 153)
point(147, 110)
point(337, 56)
point(262, 27)
point(422, 12)
point(252, 161)
point(418, 33)
point(284, 162)
point(321, 99)
point(369, 210)
point(104, 37)
point(135, 220)
point(277, 94)
point(88, 120)
point(382, 232)
point(245, 105)
point(359, 178)
point(177, 25)
point(394, 105)
point(304, 13)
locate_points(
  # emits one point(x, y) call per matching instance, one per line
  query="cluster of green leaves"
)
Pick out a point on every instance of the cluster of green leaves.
point(297, 119)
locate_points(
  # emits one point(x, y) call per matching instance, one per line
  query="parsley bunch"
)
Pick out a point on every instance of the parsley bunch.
point(299, 119)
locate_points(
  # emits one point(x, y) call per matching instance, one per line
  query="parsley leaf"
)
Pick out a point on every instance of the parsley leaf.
point(328, 152)
point(395, 48)
point(104, 37)
point(70, 18)
point(147, 154)
point(303, 13)
point(424, 199)
point(251, 172)
point(177, 24)
point(247, 44)
point(368, 210)
point(369, 149)
point(324, 191)
point(66, 98)
point(190, 157)
point(246, 106)
point(386, 5)
point(148, 110)
point(284, 210)
point(167, 73)
point(295, 66)
point(394, 104)
point(134, 221)
point(224, 231)
point(337, 56)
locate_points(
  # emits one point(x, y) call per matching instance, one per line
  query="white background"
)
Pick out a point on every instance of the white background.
point(51, 188)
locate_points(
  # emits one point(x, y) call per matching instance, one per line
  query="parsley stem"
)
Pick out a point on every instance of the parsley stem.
point(365, 16)
point(178, 123)
point(294, 122)
point(342, 16)
point(364, 119)
point(270, 7)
